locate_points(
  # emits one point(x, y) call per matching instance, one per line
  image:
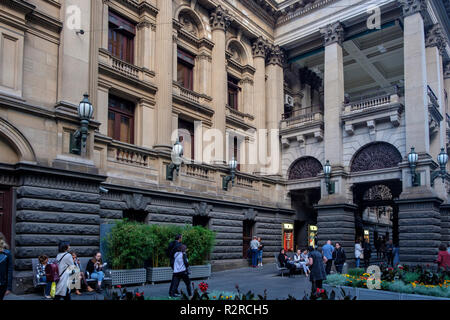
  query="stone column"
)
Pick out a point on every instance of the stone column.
point(220, 21)
point(435, 48)
point(164, 56)
point(418, 218)
point(336, 213)
point(274, 106)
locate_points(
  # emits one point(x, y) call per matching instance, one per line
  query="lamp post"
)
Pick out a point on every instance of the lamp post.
point(78, 141)
point(328, 183)
point(442, 159)
point(413, 157)
point(227, 179)
point(177, 160)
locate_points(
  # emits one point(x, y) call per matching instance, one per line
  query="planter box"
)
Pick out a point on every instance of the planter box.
point(367, 294)
point(133, 276)
point(165, 273)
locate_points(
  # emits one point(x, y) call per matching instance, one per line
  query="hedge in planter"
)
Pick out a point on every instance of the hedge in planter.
point(129, 245)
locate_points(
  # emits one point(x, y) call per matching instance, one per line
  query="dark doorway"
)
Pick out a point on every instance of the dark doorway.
point(377, 209)
point(134, 215)
point(5, 214)
point(303, 202)
point(247, 234)
point(200, 221)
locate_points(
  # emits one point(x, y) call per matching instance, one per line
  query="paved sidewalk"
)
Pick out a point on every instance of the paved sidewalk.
point(247, 278)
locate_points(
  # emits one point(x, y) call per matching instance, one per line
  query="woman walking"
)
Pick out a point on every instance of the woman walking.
point(65, 268)
point(317, 266)
point(6, 268)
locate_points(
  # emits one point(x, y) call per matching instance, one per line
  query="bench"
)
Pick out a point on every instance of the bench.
point(280, 269)
point(83, 264)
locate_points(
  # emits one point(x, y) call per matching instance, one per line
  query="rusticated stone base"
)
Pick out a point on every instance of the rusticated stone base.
point(445, 223)
point(337, 223)
point(419, 230)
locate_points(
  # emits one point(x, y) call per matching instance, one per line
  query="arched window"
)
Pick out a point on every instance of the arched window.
point(377, 155)
point(306, 167)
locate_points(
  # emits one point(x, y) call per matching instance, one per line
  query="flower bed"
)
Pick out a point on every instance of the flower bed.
point(403, 280)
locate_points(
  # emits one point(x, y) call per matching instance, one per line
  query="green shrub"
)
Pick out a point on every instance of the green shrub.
point(129, 245)
point(409, 277)
point(400, 286)
point(163, 235)
point(356, 272)
point(336, 280)
point(200, 243)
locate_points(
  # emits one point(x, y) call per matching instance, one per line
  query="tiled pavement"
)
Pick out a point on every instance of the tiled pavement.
point(256, 280)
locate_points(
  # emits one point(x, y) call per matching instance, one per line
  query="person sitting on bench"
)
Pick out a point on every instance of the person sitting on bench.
point(286, 262)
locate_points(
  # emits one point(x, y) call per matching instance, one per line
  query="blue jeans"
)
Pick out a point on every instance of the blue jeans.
point(254, 257)
point(358, 260)
point(48, 286)
point(260, 256)
point(98, 275)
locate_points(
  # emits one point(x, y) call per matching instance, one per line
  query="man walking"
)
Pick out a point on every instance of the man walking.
point(171, 250)
point(339, 257)
point(390, 253)
point(254, 245)
point(328, 253)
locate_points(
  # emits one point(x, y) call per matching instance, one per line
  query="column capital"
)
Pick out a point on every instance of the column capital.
point(332, 33)
point(260, 47)
point(435, 37)
point(220, 19)
point(411, 7)
point(275, 55)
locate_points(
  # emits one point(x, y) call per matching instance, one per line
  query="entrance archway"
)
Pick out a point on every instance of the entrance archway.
point(377, 212)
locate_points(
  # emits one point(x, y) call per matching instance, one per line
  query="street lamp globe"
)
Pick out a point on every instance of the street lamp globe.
point(233, 164)
point(413, 157)
point(85, 108)
point(442, 158)
point(327, 168)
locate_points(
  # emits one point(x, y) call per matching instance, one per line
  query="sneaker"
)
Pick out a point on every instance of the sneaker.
point(48, 297)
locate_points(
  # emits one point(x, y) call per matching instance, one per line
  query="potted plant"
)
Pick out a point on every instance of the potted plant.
point(129, 245)
point(199, 241)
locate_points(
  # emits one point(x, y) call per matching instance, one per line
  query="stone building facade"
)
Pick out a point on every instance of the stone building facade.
point(336, 87)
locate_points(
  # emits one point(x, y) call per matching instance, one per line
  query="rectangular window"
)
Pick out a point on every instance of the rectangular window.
point(233, 93)
point(185, 69)
point(121, 38)
point(121, 120)
point(186, 138)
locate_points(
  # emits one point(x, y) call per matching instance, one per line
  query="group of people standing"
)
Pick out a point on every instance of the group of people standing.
point(256, 251)
point(388, 251)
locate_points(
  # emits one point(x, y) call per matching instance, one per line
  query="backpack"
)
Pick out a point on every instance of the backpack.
point(52, 270)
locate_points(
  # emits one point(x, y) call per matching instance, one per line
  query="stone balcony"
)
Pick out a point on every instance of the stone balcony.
point(191, 99)
point(371, 110)
point(299, 125)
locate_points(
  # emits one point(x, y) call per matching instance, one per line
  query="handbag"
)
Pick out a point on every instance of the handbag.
point(53, 290)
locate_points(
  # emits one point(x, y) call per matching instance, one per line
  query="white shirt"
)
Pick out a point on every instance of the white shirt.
point(358, 250)
point(254, 244)
point(178, 265)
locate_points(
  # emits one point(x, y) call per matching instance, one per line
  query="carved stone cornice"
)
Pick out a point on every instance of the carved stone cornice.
point(260, 47)
point(220, 19)
point(275, 56)
point(435, 37)
point(250, 214)
point(411, 7)
point(333, 33)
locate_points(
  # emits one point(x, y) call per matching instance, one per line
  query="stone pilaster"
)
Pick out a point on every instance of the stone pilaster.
point(274, 106)
point(419, 227)
point(220, 20)
point(164, 61)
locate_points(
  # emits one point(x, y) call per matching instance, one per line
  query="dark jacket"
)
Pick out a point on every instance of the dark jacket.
point(6, 269)
point(91, 267)
point(339, 256)
point(282, 259)
point(367, 248)
point(173, 247)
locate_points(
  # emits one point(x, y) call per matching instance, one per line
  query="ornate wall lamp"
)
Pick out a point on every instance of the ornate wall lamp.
point(78, 139)
point(442, 159)
point(177, 160)
point(227, 179)
point(329, 184)
point(413, 157)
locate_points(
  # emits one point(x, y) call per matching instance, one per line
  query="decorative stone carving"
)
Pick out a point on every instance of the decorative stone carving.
point(202, 209)
point(275, 55)
point(136, 201)
point(236, 53)
point(250, 214)
point(378, 192)
point(188, 24)
point(332, 33)
point(310, 78)
point(436, 38)
point(378, 155)
point(220, 19)
point(303, 168)
point(260, 47)
point(411, 7)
